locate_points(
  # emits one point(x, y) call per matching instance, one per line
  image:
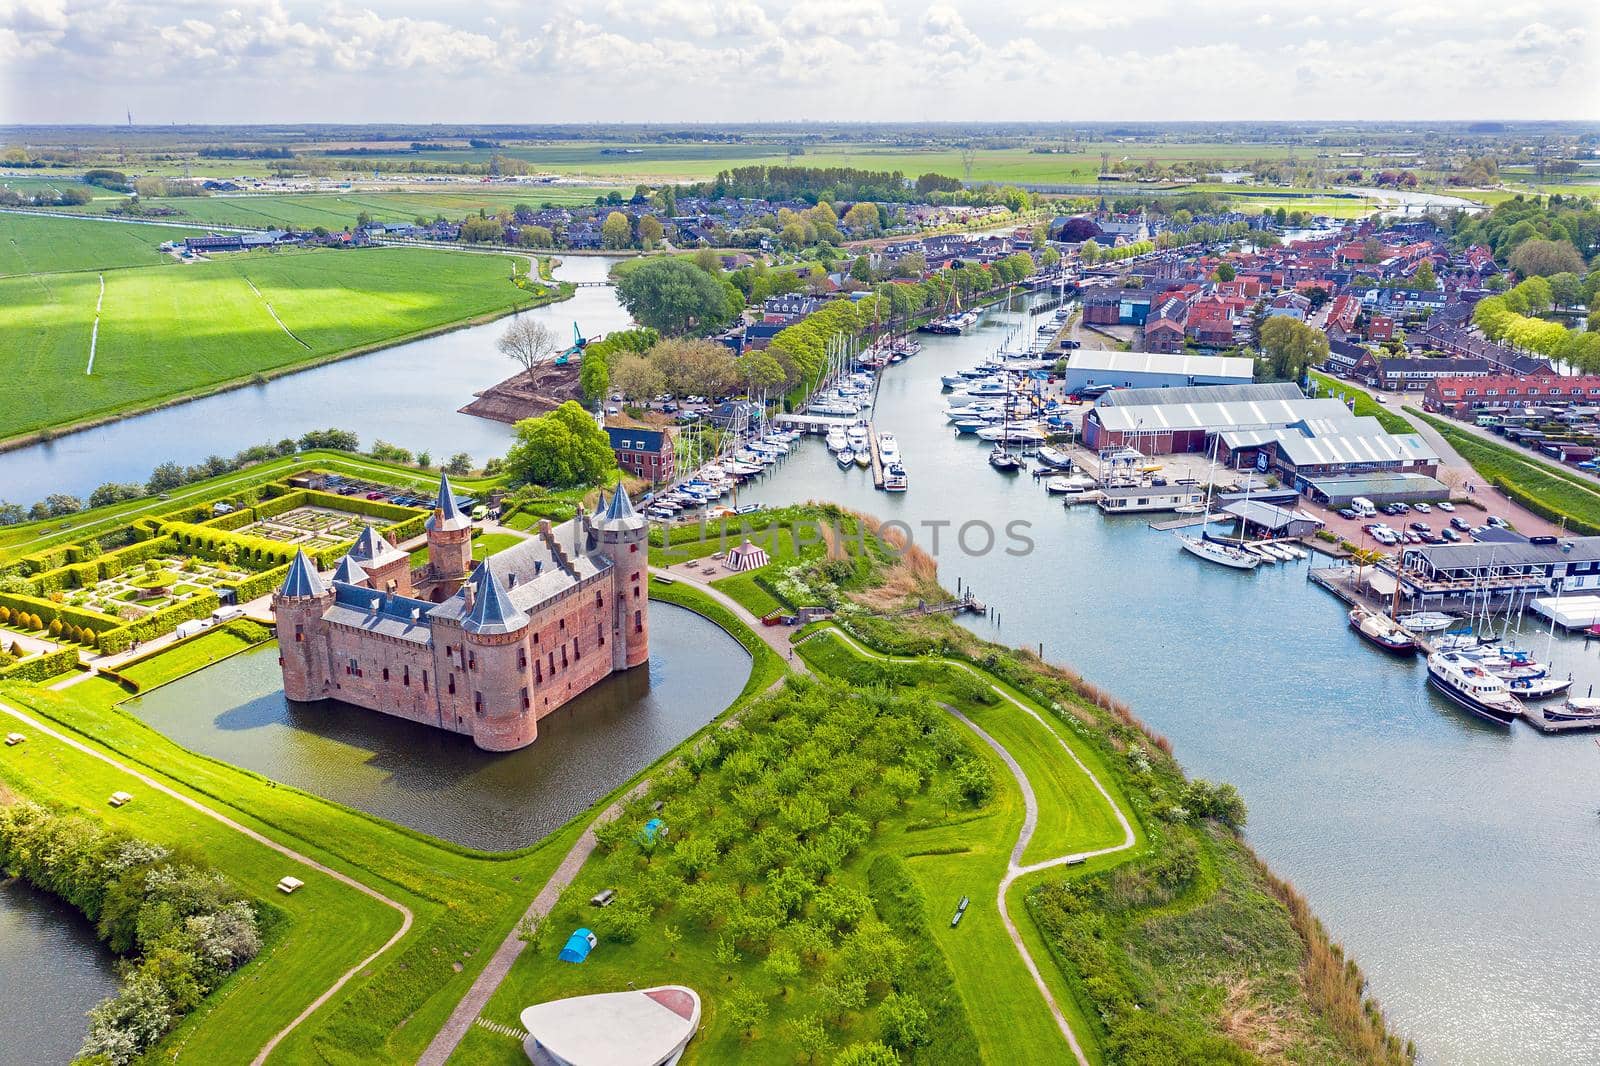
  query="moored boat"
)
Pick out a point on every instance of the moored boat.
point(1427, 621)
point(1543, 687)
point(1004, 461)
point(1221, 554)
point(1575, 709)
point(1466, 684)
point(1381, 632)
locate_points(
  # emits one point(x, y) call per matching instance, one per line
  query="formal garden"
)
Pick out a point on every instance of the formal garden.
point(311, 528)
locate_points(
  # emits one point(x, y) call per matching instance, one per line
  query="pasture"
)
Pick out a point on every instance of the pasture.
point(34, 244)
point(169, 331)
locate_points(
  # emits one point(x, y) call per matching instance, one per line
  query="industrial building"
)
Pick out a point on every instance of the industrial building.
point(1187, 422)
point(1154, 370)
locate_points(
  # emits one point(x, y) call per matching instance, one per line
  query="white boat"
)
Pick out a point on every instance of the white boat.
point(1295, 550)
point(888, 449)
point(1462, 681)
point(895, 479)
point(1543, 687)
point(1259, 552)
point(1070, 485)
point(857, 436)
point(1585, 709)
point(845, 457)
point(1427, 621)
point(1018, 433)
point(1221, 554)
point(1280, 552)
point(836, 439)
point(1055, 457)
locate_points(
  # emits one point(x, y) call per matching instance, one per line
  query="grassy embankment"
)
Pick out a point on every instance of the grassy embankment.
point(1218, 959)
point(34, 244)
point(1545, 488)
point(464, 901)
point(168, 332)
point(1365, 405)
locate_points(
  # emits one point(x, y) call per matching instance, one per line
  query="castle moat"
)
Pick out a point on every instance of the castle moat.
point(441, 783)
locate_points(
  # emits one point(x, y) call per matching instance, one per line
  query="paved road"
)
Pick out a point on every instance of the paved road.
point(260, 838)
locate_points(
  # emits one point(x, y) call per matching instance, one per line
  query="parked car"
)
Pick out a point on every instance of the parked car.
point(1460, 523)
point(1421, 508)
point(1445, 505)
point(1450, 535)
point(1411, 538)
point(1345, 512)
point(1496, 521)
point(1422, 527)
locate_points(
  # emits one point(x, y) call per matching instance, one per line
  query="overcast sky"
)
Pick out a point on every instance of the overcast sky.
point(765, 60)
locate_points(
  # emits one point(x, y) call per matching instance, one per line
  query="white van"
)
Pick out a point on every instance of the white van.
point(226, 614)
point(1363, 507)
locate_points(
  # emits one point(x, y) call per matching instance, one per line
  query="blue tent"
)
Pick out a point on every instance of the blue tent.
point(579, 944)
point(655, 829)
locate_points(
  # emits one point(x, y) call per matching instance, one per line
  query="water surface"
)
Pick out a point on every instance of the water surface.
point(52, 970)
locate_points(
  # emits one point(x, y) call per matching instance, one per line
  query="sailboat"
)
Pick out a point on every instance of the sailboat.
point(1213, 551)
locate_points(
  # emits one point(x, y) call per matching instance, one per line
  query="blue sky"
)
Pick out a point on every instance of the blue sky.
point(764, 60)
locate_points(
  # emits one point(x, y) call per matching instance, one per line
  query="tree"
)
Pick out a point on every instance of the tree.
point(783, 965)
point(616, 231)
point(650, 232)
point(528, 343)
point(1225, 272)
point(1566, 289)
point(459, 464)
point(746, 1010)
point(1372, 250)
point(676, 297)
point(1291, 346)
point(636, 377)
point(862, 218)
point(905, 1020)
point(1089, 252)
point(874, 1054)
point(595, 378)
point(562, 449)
point(1424, 278)
point(811, 1037)
point(861, 269)
point(1540, 258)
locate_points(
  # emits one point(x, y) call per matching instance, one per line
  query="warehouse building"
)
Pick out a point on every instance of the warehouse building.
point(1154, 370)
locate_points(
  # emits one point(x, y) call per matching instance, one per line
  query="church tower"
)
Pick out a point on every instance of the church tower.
point(302, 634)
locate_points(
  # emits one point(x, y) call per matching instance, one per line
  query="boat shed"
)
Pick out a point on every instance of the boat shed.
point(1337, 490)
point(1154, 370)
point(1264, 519)
point(1187, 426)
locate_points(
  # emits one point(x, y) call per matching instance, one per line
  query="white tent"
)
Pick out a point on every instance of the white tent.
point(745, 557)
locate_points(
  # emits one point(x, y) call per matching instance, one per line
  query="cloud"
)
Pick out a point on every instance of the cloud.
point(704, 60)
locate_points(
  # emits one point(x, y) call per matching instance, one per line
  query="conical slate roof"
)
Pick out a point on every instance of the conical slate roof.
point(350, 571)
point(492, 610)
point(619, 513)
point(446, 515)
point(369, 546)
point(302, 579)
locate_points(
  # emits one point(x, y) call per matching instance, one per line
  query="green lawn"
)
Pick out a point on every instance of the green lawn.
point(32, 244)
point(174, 330)
point(1390, 419)
point(190, 655)
point(483, 546)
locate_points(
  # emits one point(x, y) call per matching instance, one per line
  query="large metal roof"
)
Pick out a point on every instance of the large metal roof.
point(1216, 417)
point(1160, 363)
point(1266, 390)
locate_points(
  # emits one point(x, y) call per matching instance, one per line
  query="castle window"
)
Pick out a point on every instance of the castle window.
point(452, 684)
point(600, 632)
point(386, 673)
point(599, 599)
point(563, 656)
point(536, 636)
point(522, 658)
point(472, 660)
point(638, 621)
point(424, 680)
point(562, 624)
point(538, 671)
point(636, 592)
point(405, 676)
point(552, 664)
point(526, 702)
point(299, 633)
point(577, 652)
point(633, 548)
point(477, 703)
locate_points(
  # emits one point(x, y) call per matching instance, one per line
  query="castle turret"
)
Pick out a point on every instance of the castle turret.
point(495, 632)
point(298, 606)
point(449, 542)
point(388, 569)
point(623, 535)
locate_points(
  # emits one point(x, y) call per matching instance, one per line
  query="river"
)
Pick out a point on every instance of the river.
point(52, 970)
point(1457, 861)
point(407, 395)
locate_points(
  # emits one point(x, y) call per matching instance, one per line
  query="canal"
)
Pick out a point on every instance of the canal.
point(407, 395)
point(52, 970)
point(1457, 860)
point(441, 783)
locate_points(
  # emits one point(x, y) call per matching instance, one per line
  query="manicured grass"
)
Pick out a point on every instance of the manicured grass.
point(1391, 420)
point(755, 599)
point(170, 331)
point(483, 546)
point(187, 656)
point(767, 667)
point(1542, 487)
point(32, 244)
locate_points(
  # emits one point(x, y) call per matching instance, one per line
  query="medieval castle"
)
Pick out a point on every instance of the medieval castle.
point(486, 650)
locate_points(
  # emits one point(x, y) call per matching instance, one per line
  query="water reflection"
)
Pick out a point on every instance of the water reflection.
point(52, 970)
point(441, 783)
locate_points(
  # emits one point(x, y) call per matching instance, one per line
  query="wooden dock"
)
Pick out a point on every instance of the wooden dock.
point(1533, 714)
point(1190, 520)
point(877, 456)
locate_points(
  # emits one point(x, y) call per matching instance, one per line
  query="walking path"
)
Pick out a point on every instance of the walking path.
point(406, 916)
point(94, 333)
point(775, 637)
point(467, 1011)
point(1014, 867)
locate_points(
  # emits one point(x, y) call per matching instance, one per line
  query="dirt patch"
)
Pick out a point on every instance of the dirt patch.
point(523, 396)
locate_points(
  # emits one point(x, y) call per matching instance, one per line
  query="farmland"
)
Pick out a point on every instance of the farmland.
point(30, 244)
point(168, 331)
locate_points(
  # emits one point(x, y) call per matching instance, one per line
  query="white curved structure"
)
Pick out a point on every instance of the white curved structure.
point(648, 1027)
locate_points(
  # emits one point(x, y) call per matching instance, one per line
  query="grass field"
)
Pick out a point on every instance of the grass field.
point(174, 330)
point(31, 244)
point(1391, 420)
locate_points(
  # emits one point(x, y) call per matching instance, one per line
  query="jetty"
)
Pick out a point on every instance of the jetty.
point(1187, 520)
point(877, 456)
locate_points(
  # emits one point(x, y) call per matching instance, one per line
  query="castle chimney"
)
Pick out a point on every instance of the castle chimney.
point(467, 590)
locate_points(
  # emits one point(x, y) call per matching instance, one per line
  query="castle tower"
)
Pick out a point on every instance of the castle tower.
point(449, 542)
point(302, 634)
point(623, 535)
point(382, 562)
point(495, 634)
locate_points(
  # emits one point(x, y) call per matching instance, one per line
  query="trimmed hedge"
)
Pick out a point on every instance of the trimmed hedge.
point(68, 614)
point(84, 574)
point(259, 584)
point(254, 553)
point(161, 622)
point(41, 667)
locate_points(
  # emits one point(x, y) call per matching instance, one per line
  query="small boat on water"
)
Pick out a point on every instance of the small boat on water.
point(837, 439)
point(1055, 458)
point(863, 457)
point(1427, 621)
point(1003, 461)
point(1466, 684)
point(969, 425)
point(1543, 687)
point(1221, 554)
point(1381, 632)
point(895, 479)
point(888, 449)
point(1068, 485)
point(845, 457)
point(1585, 709)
